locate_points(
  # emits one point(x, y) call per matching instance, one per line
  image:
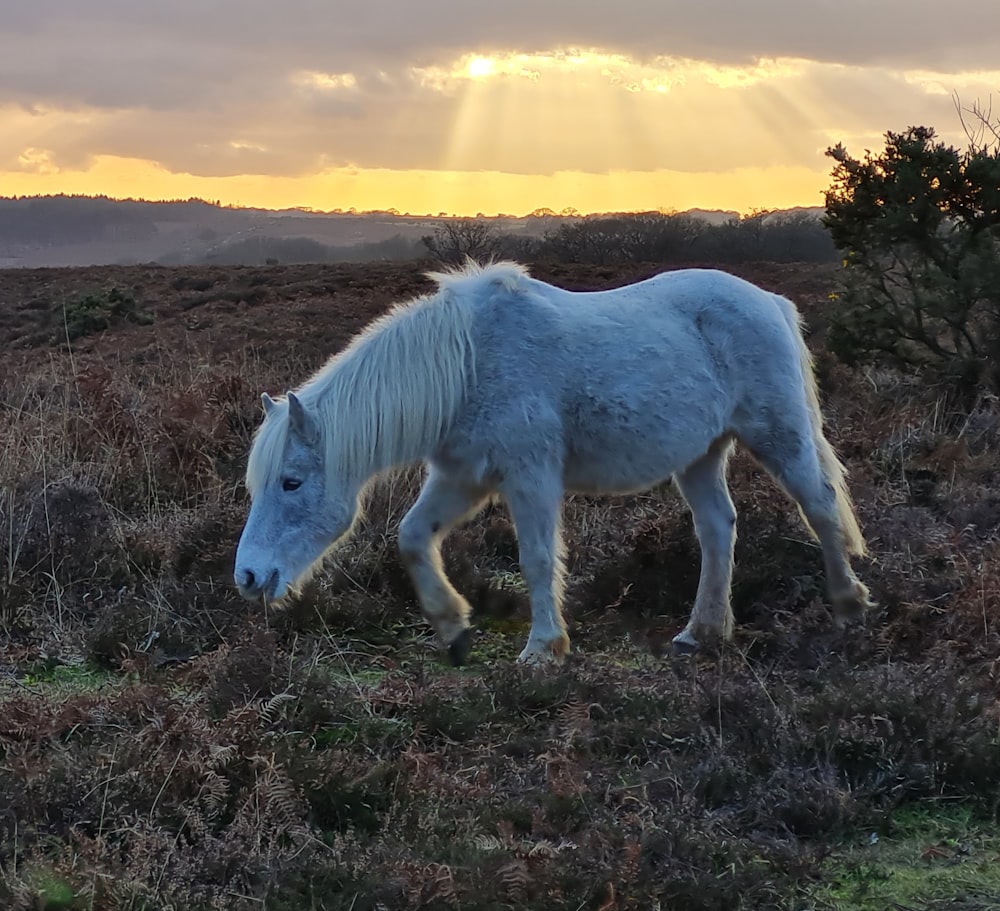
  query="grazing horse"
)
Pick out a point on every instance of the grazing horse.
point(507, 386)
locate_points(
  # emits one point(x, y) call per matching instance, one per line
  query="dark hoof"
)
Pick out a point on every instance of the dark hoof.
point(684, 644)
point(461, 645)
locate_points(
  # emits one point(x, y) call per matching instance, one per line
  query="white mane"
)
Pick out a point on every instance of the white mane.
point(393, 393)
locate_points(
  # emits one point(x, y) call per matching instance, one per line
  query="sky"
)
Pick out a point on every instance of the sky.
point(468, 107)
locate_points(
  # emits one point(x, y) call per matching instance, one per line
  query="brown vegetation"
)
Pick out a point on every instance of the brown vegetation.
point(165, 745)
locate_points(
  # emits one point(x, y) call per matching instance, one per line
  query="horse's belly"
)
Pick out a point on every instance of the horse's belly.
point(595, 478)
point(617, 465)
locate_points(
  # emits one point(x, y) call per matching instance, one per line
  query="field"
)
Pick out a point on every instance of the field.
point(165, 745)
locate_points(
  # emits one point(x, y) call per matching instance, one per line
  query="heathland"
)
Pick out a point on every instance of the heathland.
point(165, 745)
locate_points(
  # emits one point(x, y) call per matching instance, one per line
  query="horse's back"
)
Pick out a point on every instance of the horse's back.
point(624, 387)
point(711, 297)
point(690, 328)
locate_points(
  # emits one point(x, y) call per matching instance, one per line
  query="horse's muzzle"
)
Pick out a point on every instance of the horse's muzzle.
point(254, 588)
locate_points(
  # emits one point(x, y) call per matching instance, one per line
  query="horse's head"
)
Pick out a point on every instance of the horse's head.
point(297, 511)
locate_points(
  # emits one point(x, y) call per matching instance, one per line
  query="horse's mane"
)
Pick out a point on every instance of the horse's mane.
point(390, 396)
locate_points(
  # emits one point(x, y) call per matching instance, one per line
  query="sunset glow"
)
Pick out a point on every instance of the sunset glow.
point(481, 130)
point(430, 192)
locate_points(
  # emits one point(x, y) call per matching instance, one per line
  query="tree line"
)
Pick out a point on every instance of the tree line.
point(653, 237)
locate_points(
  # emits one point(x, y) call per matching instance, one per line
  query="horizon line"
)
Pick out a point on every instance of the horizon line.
point(392, 212)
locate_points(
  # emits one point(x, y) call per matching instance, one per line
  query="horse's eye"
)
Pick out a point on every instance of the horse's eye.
point(290, 484)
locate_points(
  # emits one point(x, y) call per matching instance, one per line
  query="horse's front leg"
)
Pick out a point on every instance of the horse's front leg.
point(535, 506)
point(443, 502)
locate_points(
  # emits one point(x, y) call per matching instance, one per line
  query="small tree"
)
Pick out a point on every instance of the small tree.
point(459, 239)
point(981, 127)
point(919, 229)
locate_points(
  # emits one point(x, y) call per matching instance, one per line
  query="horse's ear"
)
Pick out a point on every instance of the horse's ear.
point(301, 422)
point(269, 404)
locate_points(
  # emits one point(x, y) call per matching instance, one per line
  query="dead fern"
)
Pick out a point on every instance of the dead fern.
point(514, 879)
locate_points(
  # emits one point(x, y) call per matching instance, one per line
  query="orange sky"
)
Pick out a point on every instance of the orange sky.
point(431, 192)
point(452, 129)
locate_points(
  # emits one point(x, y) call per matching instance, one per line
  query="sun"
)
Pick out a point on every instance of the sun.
point(480, 67)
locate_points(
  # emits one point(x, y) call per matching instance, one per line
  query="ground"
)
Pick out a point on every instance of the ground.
point(164, 745)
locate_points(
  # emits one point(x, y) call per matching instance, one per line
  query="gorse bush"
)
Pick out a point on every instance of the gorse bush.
point(919, 228)
point(95, 312)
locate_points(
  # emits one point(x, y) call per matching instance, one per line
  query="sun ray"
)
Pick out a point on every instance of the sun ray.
point(581, 128)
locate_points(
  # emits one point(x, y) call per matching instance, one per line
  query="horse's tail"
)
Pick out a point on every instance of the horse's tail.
point(831, 466)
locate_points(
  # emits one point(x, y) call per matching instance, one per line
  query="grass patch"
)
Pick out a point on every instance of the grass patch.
point(69, 679)
point(928, 856)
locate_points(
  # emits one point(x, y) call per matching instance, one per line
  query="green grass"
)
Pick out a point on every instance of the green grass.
point(70, 679)
point(52, 891)
point(930, 856)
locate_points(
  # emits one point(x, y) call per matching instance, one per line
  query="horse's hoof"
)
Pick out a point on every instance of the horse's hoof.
point(685, 644)
point(852, 611)
point(461, 645)
point(545, 654)
point(538, 660)
point(850, 618)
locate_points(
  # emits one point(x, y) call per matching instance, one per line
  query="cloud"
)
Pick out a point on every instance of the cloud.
point(256, 87)
point(400, 33)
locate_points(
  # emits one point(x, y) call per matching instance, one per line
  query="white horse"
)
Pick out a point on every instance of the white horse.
point(508, 386)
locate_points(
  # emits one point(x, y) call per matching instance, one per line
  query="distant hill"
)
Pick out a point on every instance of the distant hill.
point(84, 230)
point(81, 230)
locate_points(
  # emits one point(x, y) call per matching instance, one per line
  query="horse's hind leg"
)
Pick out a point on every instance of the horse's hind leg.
point(797, 466)
point(535, 509)
point(703, 486)
point(442, 503)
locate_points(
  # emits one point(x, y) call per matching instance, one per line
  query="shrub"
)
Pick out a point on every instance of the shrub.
point(919, 227)
point(96, 312)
